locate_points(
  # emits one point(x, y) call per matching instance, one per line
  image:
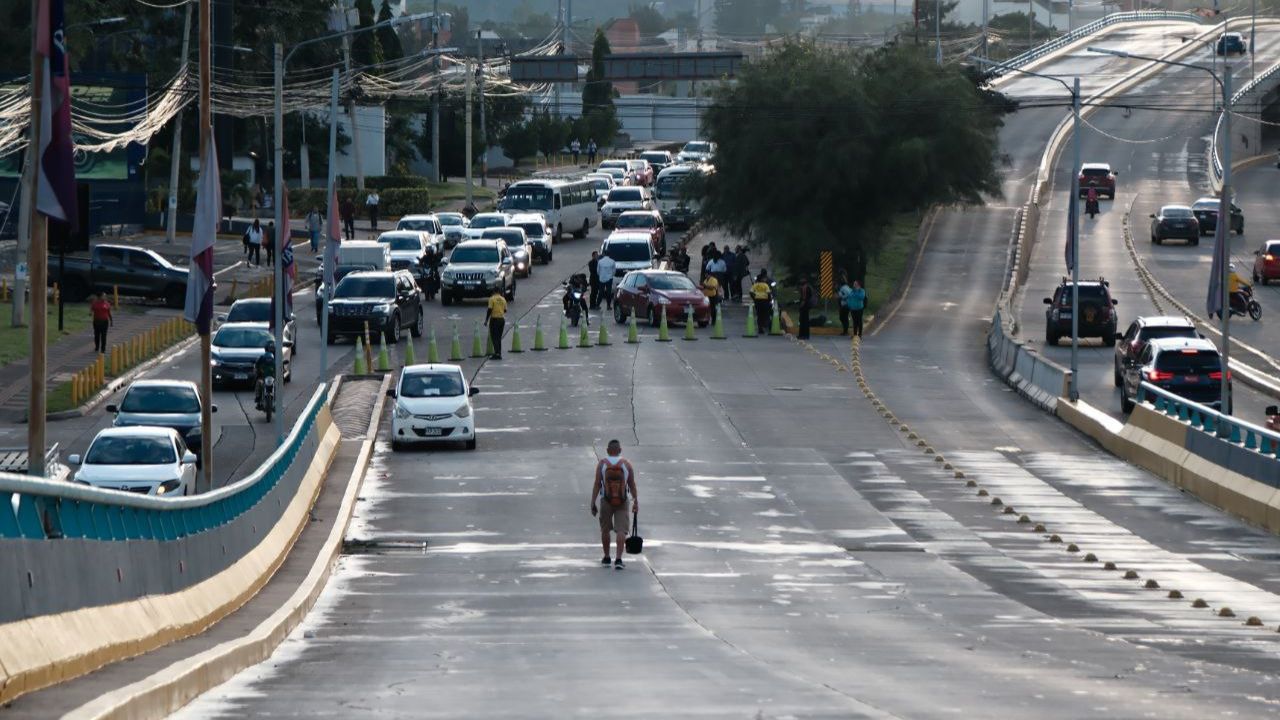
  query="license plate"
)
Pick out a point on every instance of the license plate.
point(1064, 315)
point(433, 431)
point(1191, 378)
point(242, 376)
point(470, 282)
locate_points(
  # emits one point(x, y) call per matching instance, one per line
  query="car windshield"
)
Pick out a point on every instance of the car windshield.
point(1189, 362)
point(1179, 213)
point(532, 229)
point(625, 195)
point(671, 282)
point(156, 399)
point(431, 384)
point(454, 220)
point(600, 184)
point(637, 221)
point(659, 158)
point(243, 337)
point(402, 243)
point(528, 198)
point(1153, 333)
point(513, 237)
point(420, 224)
point(488, 221)
point(628, 251)
point(669, 187)
point(485, 255)
point(250, 312)
point(117, 450)
point(617, 173)
point(365, 286)
point(697, 147)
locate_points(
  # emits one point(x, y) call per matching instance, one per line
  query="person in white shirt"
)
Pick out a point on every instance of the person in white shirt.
point(614, 500)
point(255, 243)
point(604, 276)
point(371, 202)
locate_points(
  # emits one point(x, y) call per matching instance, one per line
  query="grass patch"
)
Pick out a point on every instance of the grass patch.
point(446, 191)
point(15, 342)
point(59, 399)
point(885, 270)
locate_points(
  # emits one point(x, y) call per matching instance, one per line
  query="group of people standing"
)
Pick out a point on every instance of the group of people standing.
point(576, 148)
point(726, 269)
point(255, 238)
point(852, 298)
point(600, 272)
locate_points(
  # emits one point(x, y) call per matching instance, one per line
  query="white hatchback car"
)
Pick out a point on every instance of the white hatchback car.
point(143, 460)
point(432, 404)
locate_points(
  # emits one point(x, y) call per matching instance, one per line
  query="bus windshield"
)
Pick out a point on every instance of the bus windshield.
point(528, 198)
point(669, 187)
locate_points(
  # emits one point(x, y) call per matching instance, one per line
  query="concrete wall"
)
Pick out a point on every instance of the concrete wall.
point(647, 118)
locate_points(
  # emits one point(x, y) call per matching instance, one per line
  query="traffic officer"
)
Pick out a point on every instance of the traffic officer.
point(762, 296)
point(496, 318)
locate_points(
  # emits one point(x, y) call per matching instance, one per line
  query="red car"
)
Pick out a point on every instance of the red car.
point(1099, 175)
point(649, 292)
point(1266, 266)
point(650, 220)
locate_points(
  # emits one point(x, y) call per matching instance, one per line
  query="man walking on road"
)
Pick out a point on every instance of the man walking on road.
point(808, 301)
point(605, 269)
point(101, 309)
point(495, 317)
point(575, 147)
point(614, 499)
point(313, 228)
point(255, 243)
point(856, 301)
point(762, 296)
point(591, 151)
point(348, 213)
point(371, 202)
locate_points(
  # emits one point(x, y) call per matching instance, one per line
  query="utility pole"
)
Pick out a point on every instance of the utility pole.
point(484, 136)
point(986, 12)
point(468, 145)
point(563, 35)
point(281, 241)
point(18, 316)
point(1223, 237)
point(37, 263)
point(351, 113)
point(937, 28)
point(1074, 390)
point(435, 106)
point(171, 217)
point(327, 272)
point(206, 340)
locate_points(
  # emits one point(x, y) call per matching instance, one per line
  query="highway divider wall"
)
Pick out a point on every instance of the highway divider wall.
point(1230, 464)
point(96, 576)
point(1035, 377)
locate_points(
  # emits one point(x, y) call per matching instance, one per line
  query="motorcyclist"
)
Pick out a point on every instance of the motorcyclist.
point(1091, 199)
point(1235, 285)
point(263, 368)
point(577, 283)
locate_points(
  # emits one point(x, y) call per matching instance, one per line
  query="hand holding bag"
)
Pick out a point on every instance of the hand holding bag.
point(635, 543)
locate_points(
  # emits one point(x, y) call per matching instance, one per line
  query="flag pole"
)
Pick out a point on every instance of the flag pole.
point(327, 270)
point(37, 264)
point(206, 339)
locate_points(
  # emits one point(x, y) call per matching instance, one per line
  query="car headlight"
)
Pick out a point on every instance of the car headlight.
point(463, 412)
point(168, 486)
point(402, 413)
point(491, 274)
point(664, 300)
point(382, 309)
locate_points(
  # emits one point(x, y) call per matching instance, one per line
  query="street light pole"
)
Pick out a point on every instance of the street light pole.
point(1073, 392)
point(484, 136)
point(281, 241)
point(937, 28)
point(435, 106)
point(326, 271)
point(171, 217)
point(468, 146)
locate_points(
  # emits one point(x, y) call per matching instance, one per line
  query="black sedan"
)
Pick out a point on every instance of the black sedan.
point(1175, 221)
point(1206, 212)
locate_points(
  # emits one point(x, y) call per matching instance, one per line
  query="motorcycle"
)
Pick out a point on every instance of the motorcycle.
point(267, 396)
point(575, 303)
point(1091, 207)
point(1242, 302)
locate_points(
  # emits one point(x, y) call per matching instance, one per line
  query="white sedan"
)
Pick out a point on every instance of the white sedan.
point(432, 404)
point(143, 460)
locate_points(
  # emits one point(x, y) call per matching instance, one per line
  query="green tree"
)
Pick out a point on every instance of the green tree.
point(552, 132)
point(600, 117)
point(519, 141)
point(365, 47)
point(650, 21)
point(387, 37)
point(819, 148)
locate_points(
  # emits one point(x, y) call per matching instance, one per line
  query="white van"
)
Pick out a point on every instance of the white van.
point(365, 252)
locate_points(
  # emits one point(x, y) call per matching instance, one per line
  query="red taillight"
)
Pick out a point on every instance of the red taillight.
point(1158, 375)
point(1217, 375)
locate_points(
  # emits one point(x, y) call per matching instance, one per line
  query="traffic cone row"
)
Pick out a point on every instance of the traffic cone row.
point(775, 326)
point(717, 330)
point(384, 361)
point(516, 346)
point(410, 358)
point(688, 323)
point(664, 334)
point(433, 350)
point(584, 338)
point(564, 335)
point(751, 321)
point(633, 333)
point(539, 342)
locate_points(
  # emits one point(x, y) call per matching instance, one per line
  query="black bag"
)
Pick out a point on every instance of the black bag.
point(635, 543)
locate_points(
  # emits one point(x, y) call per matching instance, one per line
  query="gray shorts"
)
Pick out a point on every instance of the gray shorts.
point(615, 519)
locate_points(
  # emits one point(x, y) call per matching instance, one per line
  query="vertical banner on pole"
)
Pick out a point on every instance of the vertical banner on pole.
point(826, 279)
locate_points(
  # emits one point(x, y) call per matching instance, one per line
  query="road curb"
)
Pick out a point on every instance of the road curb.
point(173, 687)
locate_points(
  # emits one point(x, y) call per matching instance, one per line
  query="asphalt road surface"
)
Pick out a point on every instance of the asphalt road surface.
point(803, 558)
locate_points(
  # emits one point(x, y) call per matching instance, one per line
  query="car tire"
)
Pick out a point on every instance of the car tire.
point(549, 254)
point(618, 317)
point(471, 444)
point(1157, 240)
point(511, 292)
point(445, 299)
point(1117, 377)
point(559, 232)
point(175, 296)
point(397, 446)
point(1109, 340)
point(1195, 242)
point(416, 329)
point(331, 339)
point(393, 333)
point(1126, 405)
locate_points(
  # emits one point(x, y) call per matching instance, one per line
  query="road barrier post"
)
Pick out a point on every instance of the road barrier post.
point(539, 342)
point(455, 346)
point(516, 346)
point(633, 333)
point(477, 349)
point(664, 334)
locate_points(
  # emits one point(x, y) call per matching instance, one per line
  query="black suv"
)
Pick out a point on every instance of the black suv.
point(1097, 314)
point(387, 301)
point(1190, 368)
point(1144, 330)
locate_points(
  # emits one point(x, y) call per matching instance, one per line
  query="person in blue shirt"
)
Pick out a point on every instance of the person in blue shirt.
point(853, 303)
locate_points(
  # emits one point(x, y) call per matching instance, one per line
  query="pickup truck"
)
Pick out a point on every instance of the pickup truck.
point(136, 272)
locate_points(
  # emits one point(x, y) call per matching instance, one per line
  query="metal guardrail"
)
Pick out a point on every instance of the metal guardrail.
point(1226, 428)
point(1240, 94)
point(40, 509)
point(1061, 41)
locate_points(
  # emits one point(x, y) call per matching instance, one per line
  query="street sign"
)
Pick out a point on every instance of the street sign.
point(548, 68)
point(826, 279)
point(672, 66)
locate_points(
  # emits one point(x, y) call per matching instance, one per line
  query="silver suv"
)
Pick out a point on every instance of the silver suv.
point(537, 232)
point(474, 268)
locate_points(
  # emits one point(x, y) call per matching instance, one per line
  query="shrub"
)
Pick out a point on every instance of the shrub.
point(395, 201)
point(383, 182)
